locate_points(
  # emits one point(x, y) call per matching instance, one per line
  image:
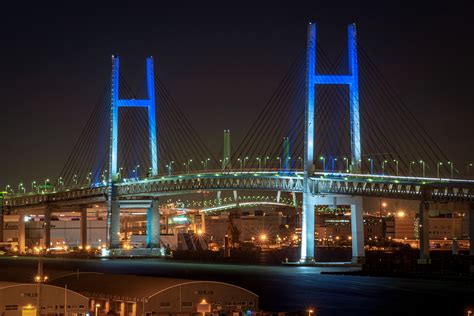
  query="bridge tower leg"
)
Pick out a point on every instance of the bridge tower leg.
point(357, 229)
point(471, 229)
point(307, 225)
point(424, 237)
point(153, 225)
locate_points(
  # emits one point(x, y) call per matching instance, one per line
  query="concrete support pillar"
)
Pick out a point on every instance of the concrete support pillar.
point(203, 222)
point(219, 199)
point(153, 225)
point(357, 229)
point(21, 233)
point(84, 228)
point(122, 308)
point(295, 201)
point(278, 196)
point(47, 227)
point(236, 198)
point(114, 228)
point(471, 229)
point(307, 229)
point(424, 212)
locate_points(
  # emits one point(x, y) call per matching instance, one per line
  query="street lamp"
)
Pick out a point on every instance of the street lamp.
point(371, 161)
point(240, 162)
point(452, 168)
point(383, 167)
point(410, 172)
point(89, 178)
point(21, 188)
point(469, 169)
point(437, 168)
point(334, 163)
point(8, 187)
point(170, 167)
point(300, 160)
point(96, 309)
point(323, 159)
point(265, 162)
point(245, 159)
point(137, 168)
point(74, 179)
point(189, 169)
point(423, 164)
point(259, 163)
point(33, 186)
point(396, 166)
point(346, 161)
point(279, 162)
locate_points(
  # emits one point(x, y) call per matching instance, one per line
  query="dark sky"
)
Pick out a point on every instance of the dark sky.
point(220, 61)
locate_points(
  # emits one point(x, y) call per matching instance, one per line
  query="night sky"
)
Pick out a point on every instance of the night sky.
point(221, 63)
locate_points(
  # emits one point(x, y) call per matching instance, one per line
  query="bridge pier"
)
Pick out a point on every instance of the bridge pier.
point(307, 229)
point(21, 232)
point(219, 199)
point(424, 237)
point(357, 231)
point(471, 229)
point(114, 225)
point(236, 198)
point(47, 227)
point(153, 225)
point(83, 228)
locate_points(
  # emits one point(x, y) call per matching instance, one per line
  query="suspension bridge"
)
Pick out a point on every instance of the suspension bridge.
point(333, 132)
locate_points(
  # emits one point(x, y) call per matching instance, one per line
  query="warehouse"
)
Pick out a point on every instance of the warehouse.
point(23, 299)
point(136, 295)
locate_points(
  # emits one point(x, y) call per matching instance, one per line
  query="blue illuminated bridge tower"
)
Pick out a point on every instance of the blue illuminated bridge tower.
point(309, 200)
point(113, 206)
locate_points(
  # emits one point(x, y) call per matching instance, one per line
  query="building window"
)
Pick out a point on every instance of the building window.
point(187, 304)
point(11, 307)
point(165, 304)
point(250, 303)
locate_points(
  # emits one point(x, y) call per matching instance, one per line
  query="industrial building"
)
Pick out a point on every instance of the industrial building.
point(26, 299)
point(136, 295)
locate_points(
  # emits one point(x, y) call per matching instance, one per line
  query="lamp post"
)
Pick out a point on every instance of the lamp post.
point(89, 178)
point(300, 161)
point(396, 166)
point(334, 163)
point(279, 162)
point(383, 167)
point(61, 182)
point(240, 163)
point(265, 162)
point(33, 186)
point(245, 159)
point(323, 159)
point(452, 168)
point(259, 163)
point(7, 188)
point(74, 179)
point(346, 161)
point(21, 188)
point(437, 168)
point(96, 309)
point(469, 169)
point(371, 161)
point(410, 172)
point(423, 166)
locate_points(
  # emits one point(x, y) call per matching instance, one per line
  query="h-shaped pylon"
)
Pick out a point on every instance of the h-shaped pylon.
point(351, 79)
point(313, 79)
point(146, 103)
